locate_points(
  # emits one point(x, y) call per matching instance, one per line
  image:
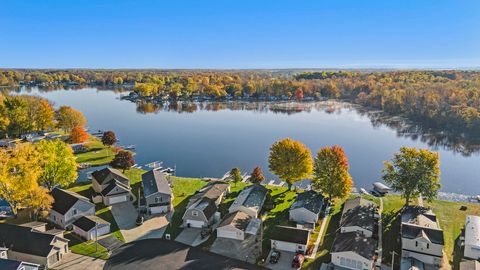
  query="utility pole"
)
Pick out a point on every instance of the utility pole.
point(96, 236)
point(393, 258)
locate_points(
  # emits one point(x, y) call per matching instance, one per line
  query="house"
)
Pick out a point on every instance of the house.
point(354, 250)
point(5, 209)
point(90, 227)
point(26, 244)
point(250, 200)
point(69, 206)
point(307, 207)
point(472, 238)
point(290, 239)
point(203, 205)
point(157, 192)
point(469, 265)
point(111, 185)
point(6, 264)
point(237, 225)
point(359, 215)
point(422, 238)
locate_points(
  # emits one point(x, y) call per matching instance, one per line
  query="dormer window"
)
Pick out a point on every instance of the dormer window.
point(195, 213)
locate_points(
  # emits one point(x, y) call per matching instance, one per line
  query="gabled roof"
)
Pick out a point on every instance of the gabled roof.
point(64, 200)
point(6, 264)
point(256, 196)
point(25, 240)
point(206, 205)
point(211, 191)
point(86, 223)
point(411, 231)
point(420, 216)
point(155, 181)
point(359, 212)
point(113, 185)
point(355, 242)
point(290, 234)
point(310, 200)
point(238, 219)
point(108, 174)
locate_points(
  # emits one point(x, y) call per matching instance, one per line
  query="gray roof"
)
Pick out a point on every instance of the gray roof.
point(64, 200)
point(310, 200)
point(207, 206)
point(290, 234)
point(6, 264)
point(212, 191)
point(355, 242)
point(86, 223)
point(108, 174)
point(155, 181)
point(359, 212)
point(238, 219)
point(411, 231)
point(256, 196)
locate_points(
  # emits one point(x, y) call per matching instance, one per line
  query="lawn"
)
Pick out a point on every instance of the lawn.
point(87, 248)
point(97, 153)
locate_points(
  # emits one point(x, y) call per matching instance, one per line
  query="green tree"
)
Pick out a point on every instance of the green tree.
point(123, 160)
point(235, 175)
point(414, 172)
point(290, 160)
point(59, 165)
point(68, 118)
point(257, 176)
point(331, 172)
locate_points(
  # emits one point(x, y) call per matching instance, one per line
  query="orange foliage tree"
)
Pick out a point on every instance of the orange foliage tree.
point(78, 135)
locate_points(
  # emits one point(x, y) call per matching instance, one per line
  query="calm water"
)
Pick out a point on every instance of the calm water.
point(206, 140)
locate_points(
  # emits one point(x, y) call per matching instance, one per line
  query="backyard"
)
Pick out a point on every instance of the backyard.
point(97, 154)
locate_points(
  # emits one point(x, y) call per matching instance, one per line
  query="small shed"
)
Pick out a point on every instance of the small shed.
point(88, 227)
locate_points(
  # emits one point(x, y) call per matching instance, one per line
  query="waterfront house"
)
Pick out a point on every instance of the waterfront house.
point(157, 192)
point(359, 215)
point(290, 239)
point(203, 205)
point(472, 238)
point(422, 237)
point(7, 264)
point(69, 206)
point(237, 225)
point(29, 245)
point(307, 207)
point(250, 200)
point(91, 227)
point(111, 185)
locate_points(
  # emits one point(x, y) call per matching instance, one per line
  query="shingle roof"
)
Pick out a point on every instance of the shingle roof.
point(64, 200)
point(256, 196)
point(309, 200)
point(359, 212)
point(86, 223)
point(155, 181)
point(24, 240)
point(238, 219)
point(211, 191)
point(290, 234)
point(355, 242)
point(107, 174)
point(113, 185)
point(207, 206)
point(411, 231)
point(6, 264)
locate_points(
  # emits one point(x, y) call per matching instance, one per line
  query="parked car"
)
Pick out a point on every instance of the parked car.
point(275, 256)
point(298, 260)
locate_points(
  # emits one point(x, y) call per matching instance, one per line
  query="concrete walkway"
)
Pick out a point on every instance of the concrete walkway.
point(380, 234)
point(73, 261)
point(319, 237)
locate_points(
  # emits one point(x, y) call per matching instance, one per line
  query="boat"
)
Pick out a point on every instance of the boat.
point(168, 171)
point(364, 191)
point(381, 188)
point(154, 165)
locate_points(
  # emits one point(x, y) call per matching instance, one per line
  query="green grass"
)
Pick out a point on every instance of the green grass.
point(86, 248)
point(392, 204)
point(97, 154)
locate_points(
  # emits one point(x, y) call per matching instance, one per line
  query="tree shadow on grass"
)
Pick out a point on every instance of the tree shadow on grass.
point(391, 237)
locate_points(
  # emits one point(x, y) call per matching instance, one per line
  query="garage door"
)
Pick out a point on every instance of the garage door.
point(159, 209)
point(227, 234)
point(101, 231)
point(195, 223)
point(118, 199)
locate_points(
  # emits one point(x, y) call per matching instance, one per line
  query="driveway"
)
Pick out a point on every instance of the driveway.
point(125, 215)
point(284, 263)
point(72, 261)
point(188, 236)
point(247, 250)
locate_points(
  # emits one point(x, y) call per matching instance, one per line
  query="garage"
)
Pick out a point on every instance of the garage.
point(195, 223)
point(159, 209)
point(116, 199)
point(88, 227)
point(228, 232)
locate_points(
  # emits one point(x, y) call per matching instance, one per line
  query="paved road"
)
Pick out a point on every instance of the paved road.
point(154, 254)
point(72, 261)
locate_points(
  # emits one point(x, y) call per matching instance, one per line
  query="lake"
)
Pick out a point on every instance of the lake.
point(208, 139)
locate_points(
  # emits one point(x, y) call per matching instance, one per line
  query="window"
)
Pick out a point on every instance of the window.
point(74, 211)
point(54, 218)
point(300, 247)
point(195, 213)
point(157, 199)
point(342, 261)
point(428, 245)
point(416, 243)
point(359, 265)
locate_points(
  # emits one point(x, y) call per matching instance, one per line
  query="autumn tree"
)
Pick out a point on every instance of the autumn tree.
point(123, 160)
point(59, 165)
point(67, 118)
point(109, 138)
point(39, 202)
point(331, 172)
point(235, 175)
point(299, 94)
point(290, 160)
point(78, 135)
point(257, 176)
point(414, 172)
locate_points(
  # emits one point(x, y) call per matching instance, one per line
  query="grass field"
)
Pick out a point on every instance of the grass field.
point(97, 154)
point(87, 248)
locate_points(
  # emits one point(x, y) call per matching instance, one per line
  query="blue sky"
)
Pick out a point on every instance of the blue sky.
point(240, 34)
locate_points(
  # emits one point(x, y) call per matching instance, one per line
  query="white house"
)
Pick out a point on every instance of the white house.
point(472, 237)
point(250, 200)
point(112, 185)
point(91, 227)
point(307, 207)
point(422, 238)
point(68, 206)
point(157, 192)
point(359, 215)
point(353, 250)
point(238, 225)
point(290, 239)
